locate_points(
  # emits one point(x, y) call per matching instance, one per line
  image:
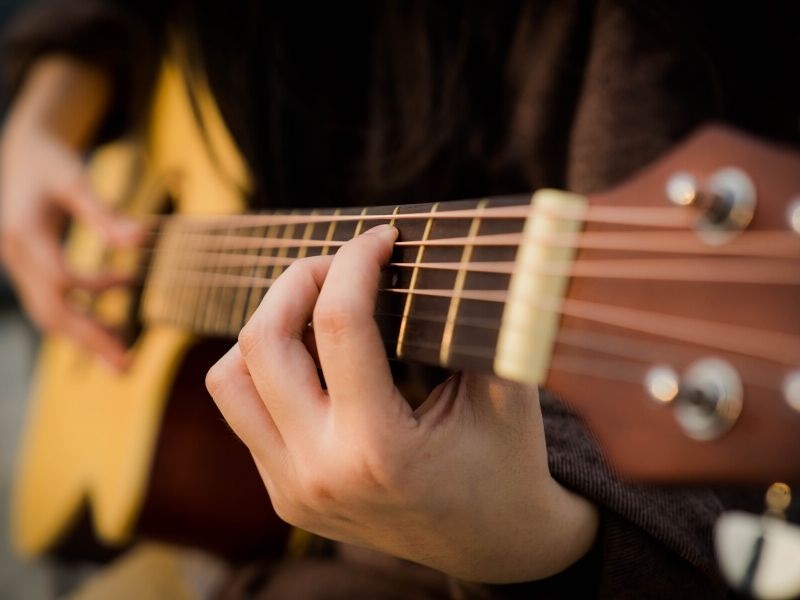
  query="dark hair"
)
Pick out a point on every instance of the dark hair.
point(367, 97)
point(413, 100)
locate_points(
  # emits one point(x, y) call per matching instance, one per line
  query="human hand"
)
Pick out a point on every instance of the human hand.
point(461, 484)
point(42, 184)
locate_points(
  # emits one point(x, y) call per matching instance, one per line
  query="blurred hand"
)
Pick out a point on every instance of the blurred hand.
point(461, 484)
point(43, 183)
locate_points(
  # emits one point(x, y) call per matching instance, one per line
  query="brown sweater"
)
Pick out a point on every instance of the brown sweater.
point(614, 84)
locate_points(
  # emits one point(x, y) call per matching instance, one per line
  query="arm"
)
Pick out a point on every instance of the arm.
point(42, 182)
point(461, 484)
point(62, 97)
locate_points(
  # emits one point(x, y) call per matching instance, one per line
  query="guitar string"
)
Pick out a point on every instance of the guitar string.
point(508, 238)
point(626, 370)
point(633, 371)
point(719, 270)
point(621, 215)
point(770, 243)
point(590, 365)
point(779, 346)
point(647, 351)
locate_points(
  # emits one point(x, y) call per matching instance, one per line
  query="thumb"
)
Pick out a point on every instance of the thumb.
point(76, 196)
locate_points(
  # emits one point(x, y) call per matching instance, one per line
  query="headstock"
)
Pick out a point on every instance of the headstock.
point(679, 342)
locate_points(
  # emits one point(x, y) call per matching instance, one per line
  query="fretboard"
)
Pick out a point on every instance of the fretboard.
point(437, 304)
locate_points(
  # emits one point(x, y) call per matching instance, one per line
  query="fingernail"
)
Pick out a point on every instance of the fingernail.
point(385, 231)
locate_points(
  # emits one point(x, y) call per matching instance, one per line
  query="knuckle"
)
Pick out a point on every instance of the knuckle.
point(250, 335)
point(215, 378)
point(376, 468)
point(295, 266)
point(316, 490)
point(288, 511)
point(335, 319)
point(265, 325)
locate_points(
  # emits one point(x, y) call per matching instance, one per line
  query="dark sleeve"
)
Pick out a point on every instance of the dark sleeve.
point(653, 542)
point(125, 38)
point(650, 538)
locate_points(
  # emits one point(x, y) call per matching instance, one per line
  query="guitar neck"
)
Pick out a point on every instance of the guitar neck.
point(665, 319)
point(441, 302)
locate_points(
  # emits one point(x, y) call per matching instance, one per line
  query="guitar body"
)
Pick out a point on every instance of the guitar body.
point(125, 447)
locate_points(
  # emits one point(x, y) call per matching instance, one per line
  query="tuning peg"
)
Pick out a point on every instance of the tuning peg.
point(725, 201)
point(759, 555)
point(707, 400)
point(793, 215)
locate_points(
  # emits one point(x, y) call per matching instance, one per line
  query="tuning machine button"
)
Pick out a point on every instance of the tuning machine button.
point(662, 383)
point(759, 555)
point(725, 201)
point(706, 400)
point(791, 390)
point(793, 215)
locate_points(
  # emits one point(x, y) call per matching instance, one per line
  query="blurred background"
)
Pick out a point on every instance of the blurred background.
point(18, 579)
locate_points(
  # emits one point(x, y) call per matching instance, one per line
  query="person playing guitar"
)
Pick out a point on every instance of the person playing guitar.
point(482, 480)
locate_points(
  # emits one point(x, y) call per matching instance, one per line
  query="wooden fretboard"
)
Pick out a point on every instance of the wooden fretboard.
point(208, 275)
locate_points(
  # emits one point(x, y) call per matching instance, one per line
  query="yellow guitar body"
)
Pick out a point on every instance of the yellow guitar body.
point(91, 432)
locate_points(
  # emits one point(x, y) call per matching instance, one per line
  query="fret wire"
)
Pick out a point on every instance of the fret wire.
point(239, 312)
point(455, 300)
point(394, 215)
point(211, 304)
point(214, 305)
point(198, 302)
point(224, 305)
point(180, 246)
point(151, 301)
point(288, 232)
point(301, 253)
point(152, 294)
point(164, 293)
point(255, 296)
point(179, 283)
point(413, 282)
point(202, 305)
point(330, 232)
point(191, 289)
point(360, 224)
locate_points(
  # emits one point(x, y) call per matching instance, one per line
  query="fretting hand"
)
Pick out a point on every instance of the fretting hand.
point(461, 484)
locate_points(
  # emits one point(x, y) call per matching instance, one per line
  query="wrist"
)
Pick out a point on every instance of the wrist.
point(61, 97)
point(553, 532)
point(573, 526)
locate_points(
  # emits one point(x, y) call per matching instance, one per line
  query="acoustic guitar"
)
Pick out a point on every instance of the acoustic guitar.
point(664, 312)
